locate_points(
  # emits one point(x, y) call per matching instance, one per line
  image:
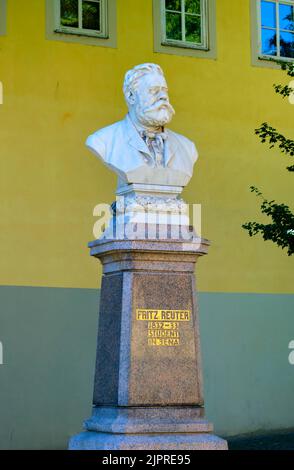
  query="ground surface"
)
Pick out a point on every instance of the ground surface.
point(273, 441)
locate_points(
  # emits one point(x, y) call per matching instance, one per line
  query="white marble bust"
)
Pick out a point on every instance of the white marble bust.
point(139, 149)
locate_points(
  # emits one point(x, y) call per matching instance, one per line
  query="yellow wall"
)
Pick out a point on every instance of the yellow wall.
point(56, 93)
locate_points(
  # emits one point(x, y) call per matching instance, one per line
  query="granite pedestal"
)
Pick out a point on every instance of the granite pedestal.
point(148, 378)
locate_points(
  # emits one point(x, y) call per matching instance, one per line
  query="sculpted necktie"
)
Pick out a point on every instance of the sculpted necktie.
point(155, 143)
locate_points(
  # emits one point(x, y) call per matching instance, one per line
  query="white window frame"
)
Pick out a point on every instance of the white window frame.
point(277, 29)
point(80, 31)
point(3, 13)
point(182, 42)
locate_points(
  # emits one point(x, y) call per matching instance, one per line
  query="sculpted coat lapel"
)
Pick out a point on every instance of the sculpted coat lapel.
point(122, 149)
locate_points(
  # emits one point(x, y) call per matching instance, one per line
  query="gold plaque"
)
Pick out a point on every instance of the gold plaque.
point(163, 325)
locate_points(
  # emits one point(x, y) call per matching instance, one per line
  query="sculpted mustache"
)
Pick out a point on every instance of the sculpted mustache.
point(159, 105)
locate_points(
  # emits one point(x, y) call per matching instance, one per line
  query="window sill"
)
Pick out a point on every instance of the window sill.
point(272, 59)
point(181, 50)
point(184, 45)
point(268, 62)
point(81, 33)
point(82, 37)
point(163, 46)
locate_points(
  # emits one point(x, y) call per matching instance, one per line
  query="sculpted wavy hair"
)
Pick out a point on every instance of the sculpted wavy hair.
point(133, 76)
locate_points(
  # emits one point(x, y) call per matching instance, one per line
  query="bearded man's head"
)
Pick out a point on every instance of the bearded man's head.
point(146, 94)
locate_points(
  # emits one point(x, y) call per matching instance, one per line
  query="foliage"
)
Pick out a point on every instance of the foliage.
point(270, 135)
point(286, 66)
point(281, 229)
point(283, 90)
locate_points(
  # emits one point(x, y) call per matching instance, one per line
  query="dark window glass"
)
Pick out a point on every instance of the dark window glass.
point(69, 13)
point(174, 26)
point(91, 15)
point(193, 29)
point(192, 6)
point(287, 44)
point(173, 5)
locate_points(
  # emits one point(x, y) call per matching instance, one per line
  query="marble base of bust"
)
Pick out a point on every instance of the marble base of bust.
point(151, 232)
point(154, 190)
point(151, 204)
point(149, 219)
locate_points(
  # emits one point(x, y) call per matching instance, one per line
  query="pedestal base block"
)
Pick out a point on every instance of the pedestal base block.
point(103, 441)
point(148, 391)
point(147, 428)
point(148, 420)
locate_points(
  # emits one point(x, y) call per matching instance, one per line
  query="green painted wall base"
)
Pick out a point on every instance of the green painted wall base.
point(248, 379)
point(49, 346)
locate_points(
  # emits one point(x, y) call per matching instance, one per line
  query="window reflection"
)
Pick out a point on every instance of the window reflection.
point(269, 42)
point(277, 28)
point(268, 14)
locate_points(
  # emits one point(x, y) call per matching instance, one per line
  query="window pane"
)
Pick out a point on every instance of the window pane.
point(173, 26)
point(268, 14)
point(192, 6)
point(69, 13)
point(173, 5)
point(286, 17)
point(193, 29)
point(91, 15)
point(287, 44)
point(269, 42)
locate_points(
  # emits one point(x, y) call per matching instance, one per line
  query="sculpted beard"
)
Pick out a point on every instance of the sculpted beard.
point(158, 114)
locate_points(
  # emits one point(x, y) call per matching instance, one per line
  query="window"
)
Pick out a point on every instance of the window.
point(272, 31)
point(276, 29)
point(2, 17)
point(91, 22)
point(85, 17)
point(184, 23)
point(185, 27)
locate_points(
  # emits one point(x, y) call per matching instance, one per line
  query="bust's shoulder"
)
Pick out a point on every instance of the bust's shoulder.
point(105, 133)
point(101, 142)
point(184, 149)
point(180, 139)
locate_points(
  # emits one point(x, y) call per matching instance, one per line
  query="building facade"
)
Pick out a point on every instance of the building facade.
point(62, 65)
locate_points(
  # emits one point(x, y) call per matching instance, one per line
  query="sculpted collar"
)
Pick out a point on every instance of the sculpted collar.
point(136, 141)
point(141, 129)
